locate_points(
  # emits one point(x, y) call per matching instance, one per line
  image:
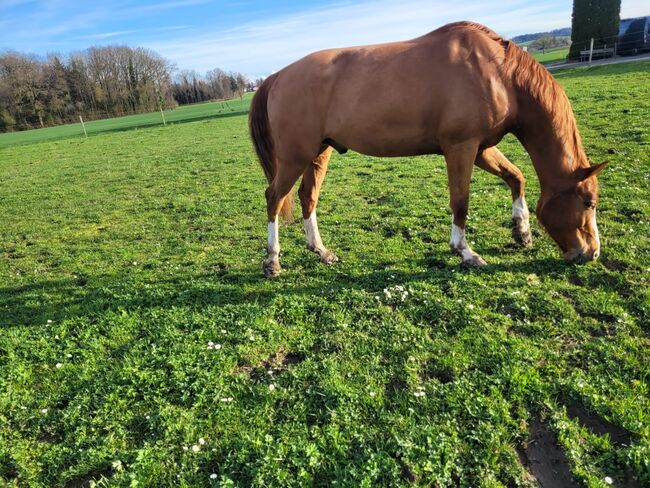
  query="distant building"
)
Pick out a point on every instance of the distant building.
point(634, 36)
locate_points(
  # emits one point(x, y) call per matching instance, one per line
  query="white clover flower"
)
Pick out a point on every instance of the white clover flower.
point(217, 346)
point(213, 476)
point(58, 365)
point(271, 387)
point(372, 393)
point(195, 448)
point(44, 411)
point(49, 321)
point(201, 441)
point(226, 399)
point(608, 480)
point(68, 355)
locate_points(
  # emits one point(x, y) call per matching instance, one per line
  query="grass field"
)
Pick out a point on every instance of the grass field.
point(182, 114)
point(552, 56)
point(141, 345)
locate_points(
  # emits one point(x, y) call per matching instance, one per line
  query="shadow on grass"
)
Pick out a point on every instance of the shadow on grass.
point(92, 133)
point(64, 299)
point(173, 122)
point(605, 70)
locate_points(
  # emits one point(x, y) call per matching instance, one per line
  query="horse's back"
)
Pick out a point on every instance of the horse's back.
point(396, 99)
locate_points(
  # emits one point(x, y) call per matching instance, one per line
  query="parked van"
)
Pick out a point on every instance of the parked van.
point(634, 36)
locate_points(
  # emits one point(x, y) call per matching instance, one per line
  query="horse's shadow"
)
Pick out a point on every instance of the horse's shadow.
point(36, 303)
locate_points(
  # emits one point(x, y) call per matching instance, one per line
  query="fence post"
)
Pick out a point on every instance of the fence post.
point(591, 50)
point(615, 48)
point(83, 125)
point(163, 116)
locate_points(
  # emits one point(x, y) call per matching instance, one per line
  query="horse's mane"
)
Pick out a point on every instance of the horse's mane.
point(528, 75)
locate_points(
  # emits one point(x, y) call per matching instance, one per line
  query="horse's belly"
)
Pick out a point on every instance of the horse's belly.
point(387, 137)
point(387, 148)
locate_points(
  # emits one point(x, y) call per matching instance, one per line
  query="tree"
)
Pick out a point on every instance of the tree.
point(98, 82)
point(544, 43)
point(597, 19)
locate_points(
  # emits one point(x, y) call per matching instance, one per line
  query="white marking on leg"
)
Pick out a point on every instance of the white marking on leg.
point(459, 243)
point(274, 238)
point(520, 209)
point(457, 237)
point(314, 241)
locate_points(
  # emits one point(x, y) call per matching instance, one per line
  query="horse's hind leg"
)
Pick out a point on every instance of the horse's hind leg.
point(278, 190)
point(493, 161)
point(460, 161)
point(309, 191)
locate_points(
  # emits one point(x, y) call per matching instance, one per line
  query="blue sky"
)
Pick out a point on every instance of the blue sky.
point(258, 37)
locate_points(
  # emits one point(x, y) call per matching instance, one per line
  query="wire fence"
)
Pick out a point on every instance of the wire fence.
point(91, 125)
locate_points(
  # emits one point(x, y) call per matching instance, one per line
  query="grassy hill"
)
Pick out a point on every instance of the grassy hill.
point(182, 114)
point(552, 55)
point(141, 344)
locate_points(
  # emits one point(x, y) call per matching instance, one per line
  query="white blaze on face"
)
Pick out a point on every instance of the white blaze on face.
point(274, 238)
point(520, 209)
point(314, 241)
point(596, 236)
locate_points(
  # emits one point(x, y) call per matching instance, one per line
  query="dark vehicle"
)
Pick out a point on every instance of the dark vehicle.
point(634, 36)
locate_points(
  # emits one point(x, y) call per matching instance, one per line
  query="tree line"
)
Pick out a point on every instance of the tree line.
point(100, 82)
point(190, 87)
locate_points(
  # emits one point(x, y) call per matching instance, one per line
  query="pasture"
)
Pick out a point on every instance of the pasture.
point(552, 55)
point(141, 344)
point(184, 113)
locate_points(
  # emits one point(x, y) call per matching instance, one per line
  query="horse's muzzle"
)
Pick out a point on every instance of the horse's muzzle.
point(581, 256)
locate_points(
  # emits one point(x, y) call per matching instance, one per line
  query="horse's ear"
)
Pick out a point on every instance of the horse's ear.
point(584, 173)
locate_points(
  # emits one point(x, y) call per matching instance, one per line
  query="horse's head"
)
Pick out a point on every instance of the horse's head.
point(569, 216)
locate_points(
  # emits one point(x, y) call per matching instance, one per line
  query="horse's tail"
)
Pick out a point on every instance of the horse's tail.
point(260, 130)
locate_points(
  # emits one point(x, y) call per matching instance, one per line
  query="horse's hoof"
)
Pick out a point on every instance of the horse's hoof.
point(271, 268)
point(521, 233)
point(475, 261)
point(328, 257)
point(524, 239)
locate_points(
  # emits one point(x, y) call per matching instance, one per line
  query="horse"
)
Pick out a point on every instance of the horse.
point(455, 91)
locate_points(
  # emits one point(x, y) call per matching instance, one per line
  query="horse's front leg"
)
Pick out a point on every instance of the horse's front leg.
point(460, 161)
point(493, 161)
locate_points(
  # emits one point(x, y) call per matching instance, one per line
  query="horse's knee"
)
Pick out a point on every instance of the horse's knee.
point(516, 182)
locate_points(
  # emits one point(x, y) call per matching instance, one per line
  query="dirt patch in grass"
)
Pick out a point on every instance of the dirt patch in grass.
point(614, 265)
point(544, 458)
point(598, 425)
point(279, 362)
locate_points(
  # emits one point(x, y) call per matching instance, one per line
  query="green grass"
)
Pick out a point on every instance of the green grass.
point(122, 256)
point(182, 114)
point(552, 56)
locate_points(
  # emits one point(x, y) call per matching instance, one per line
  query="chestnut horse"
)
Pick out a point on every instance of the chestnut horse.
point(455, 91)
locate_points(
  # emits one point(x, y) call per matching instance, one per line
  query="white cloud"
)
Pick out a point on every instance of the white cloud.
point(259, 47)
point(107, 35)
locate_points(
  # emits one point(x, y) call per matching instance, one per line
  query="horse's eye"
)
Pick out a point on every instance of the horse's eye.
point(590, 204)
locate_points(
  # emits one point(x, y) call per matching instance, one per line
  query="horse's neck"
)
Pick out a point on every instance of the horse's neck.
point(552, 151)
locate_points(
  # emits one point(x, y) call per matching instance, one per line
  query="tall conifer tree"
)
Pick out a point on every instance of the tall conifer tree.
point(597, 19)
